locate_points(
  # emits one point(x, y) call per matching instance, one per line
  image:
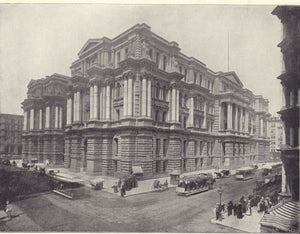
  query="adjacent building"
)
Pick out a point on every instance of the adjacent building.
point(44, 119)
point(289, 113)
point(275, 133)
point(10, 136)
point(284, 217)
point(137, 100)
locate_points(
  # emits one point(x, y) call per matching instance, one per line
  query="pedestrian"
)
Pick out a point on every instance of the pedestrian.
point(234, 209)
point(123, 191)
point(217, 212)
point(229, 208)
point(8, 210)
point(240, 211)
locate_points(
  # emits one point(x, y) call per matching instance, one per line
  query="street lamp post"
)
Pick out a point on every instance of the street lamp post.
point(220, 191)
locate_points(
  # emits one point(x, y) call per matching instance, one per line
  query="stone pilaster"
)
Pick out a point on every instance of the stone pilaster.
point(67, 159)
point(75, 154)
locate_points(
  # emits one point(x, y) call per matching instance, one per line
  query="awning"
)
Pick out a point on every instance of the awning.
point(137, 170)
point(281, 216)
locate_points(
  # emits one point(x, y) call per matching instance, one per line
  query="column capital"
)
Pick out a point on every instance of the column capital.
point(127, 75)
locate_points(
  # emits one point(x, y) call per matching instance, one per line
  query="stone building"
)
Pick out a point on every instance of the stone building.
point(289, 113)
point(137, 100)
point(10, 136)
point(44, 119)
point(275, 132)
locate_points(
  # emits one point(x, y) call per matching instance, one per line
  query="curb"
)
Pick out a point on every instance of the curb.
point(214, 221)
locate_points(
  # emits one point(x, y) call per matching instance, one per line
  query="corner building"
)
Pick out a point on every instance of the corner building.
point(289, 113)
point(136, 100)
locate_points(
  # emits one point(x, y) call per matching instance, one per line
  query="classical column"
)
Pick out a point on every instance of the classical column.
point(229, 115)
point(220, 116)
point(31, 123)
point(60, 117)
point(95, 101)
point(204, 114)
point(170, 104)
point(247, 121)
point(47, 121)
point(125, 98)
point(149, 99)
point(241, 119)
point(91, 102)
point(56, 117)
point(173, 109)
point(236, 127)
point(130, 96)
point(191, 112)
point(177, 105)
point(144, 96)
point(41, 119)
point(108, 102)
point(69, 103)
point(25, 121)
point(99, 101)
point(78, 106)
point(75, 107)
point(261, 127)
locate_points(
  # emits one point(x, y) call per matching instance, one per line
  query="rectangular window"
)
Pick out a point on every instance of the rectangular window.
point(185, 74)
point(201, 147)
point(180, 69)
point(200, 82)
point(184, 148)
point(157, 58)
point(195, 77)
point(196, 148)
point(165, 63)
point(165, 147)
point(157, 146)
point(126, 53)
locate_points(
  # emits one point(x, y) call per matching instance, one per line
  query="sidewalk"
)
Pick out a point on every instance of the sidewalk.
point(246, 224)
point(144, 186)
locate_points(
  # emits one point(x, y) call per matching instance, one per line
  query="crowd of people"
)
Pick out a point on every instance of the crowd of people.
point(245, 205)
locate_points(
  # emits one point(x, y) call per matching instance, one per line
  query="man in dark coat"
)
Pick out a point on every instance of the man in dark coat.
point(229, 208)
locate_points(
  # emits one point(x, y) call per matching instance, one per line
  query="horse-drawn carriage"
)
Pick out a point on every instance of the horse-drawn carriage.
point(189, 185)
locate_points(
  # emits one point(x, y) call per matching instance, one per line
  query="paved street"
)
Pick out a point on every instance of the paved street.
point(101, 211)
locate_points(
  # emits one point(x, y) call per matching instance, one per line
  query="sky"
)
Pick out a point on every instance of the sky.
point(37, 40)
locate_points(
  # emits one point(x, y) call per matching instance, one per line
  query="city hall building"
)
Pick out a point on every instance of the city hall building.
point(136, 101)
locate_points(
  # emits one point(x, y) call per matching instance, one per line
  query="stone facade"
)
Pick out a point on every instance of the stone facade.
point(275, 133)
point(289, 113)
point(10, 136)
point(44, 120)
point(136, 100)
